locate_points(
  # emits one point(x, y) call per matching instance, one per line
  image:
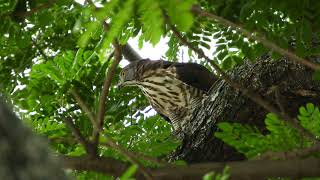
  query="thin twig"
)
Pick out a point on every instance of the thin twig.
point(91, 3)
point(40, 50)
point(255, 35)
point(131, 157)
point(63, 140)
point(105, 92)
point(34, 10)
point(110, 57)
point(85, 108)
point(137, 155)
point(77, 134)
point(247, 92)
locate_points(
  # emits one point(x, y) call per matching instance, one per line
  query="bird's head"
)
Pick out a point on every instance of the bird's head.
point(129, 76)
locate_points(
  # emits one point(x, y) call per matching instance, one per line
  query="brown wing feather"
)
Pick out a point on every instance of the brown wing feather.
point(195, 75)
point(192, 74)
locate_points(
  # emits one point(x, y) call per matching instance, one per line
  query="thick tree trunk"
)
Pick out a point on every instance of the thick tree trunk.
point(265, 76)
point(22, 154)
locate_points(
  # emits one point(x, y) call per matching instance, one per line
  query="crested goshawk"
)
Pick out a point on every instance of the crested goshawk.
point(173, 89)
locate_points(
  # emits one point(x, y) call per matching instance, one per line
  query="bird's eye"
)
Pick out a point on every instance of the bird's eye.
point(122, 73)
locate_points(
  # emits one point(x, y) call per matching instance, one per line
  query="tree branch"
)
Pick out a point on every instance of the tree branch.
point(157, 161)
point(105, 92)
point(131, 157)
point(290, 154)
point(36, 9)
point(101, 164)
point(294, 169)
point(129, 53)
point(255, 35)
point(111, 143)
point(85, 108)
point(260, 169)
point(245, 91)
point(77, 134)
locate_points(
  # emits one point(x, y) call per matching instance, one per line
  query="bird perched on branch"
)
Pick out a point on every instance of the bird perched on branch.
point(173, 89)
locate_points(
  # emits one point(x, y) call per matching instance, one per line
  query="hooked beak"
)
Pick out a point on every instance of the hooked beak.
point(122, 84)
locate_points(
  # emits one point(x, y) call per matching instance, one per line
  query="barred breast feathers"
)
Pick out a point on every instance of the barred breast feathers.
point(167, 93)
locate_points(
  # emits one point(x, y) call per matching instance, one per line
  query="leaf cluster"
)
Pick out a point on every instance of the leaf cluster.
point(281, 137)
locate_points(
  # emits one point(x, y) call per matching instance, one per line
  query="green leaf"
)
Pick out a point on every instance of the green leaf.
point(209, 176)
point(78, 151)
point(205, 45)
point(314, 51)
point(306, 32)
point(118, 22)
point(225, 126)
point(281, 136)
point(106, 10)
point(248, 52)
point(226, 173)
point(85, 37)
point(180, 13)
point(303, 111)
point(150, 13)
point(316, 75)
point(310, 118)
point(222, 54)
point(227, 63)
point(221, 47)
point(7, 6)
point(45, 18)
point(218, 176)
point(310, 108)
point(129, 172)
point(206, 39)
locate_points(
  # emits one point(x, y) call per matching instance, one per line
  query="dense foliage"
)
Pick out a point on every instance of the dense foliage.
point(50, 49)
point(281, 137)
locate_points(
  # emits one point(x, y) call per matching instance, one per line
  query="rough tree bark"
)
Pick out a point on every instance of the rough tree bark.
point(265, 76)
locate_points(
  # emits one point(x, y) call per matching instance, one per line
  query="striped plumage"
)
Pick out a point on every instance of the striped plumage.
point(172, 89)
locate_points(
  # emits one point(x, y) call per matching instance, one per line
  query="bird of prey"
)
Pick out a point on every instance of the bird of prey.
point(172, 88)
